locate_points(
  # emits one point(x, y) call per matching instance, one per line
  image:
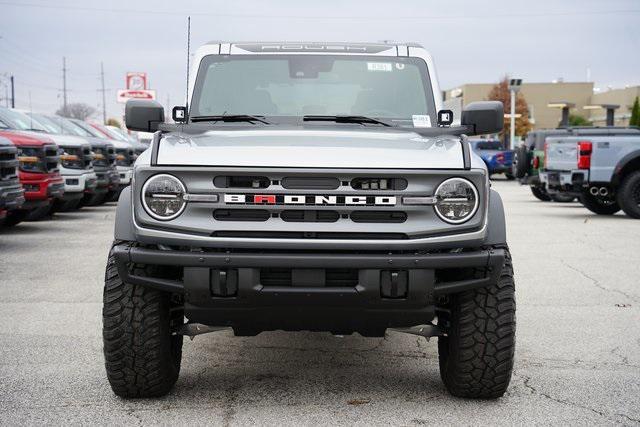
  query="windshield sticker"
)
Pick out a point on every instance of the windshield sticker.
point(399, 66)
point(421, 121)
point(379, 66)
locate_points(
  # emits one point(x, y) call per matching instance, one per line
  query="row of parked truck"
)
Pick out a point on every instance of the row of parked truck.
point(599, 166)
point(50, 164)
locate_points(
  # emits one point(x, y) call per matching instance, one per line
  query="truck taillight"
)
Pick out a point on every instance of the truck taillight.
point(585, 149)
point(536, 162)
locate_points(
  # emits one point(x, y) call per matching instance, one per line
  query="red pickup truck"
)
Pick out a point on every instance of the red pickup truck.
point(38, 174)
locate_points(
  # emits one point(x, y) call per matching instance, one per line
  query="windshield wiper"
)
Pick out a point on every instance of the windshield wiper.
point(345, 119)
point(231, 118)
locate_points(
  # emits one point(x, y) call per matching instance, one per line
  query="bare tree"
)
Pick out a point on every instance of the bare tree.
point(76, 110)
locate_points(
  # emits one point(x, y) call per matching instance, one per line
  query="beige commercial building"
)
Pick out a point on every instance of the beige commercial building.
point(539, 95)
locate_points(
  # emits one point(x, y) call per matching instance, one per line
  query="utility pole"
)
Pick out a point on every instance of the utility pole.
point(13, 94)
point(64, 84)
point(104, 102)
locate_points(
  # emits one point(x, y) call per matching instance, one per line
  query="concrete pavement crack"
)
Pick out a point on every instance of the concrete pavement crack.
point(535, 391)
point(597, 282)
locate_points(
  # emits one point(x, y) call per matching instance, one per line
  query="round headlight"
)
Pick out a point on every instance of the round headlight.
point(163, 197)
point(457, 200)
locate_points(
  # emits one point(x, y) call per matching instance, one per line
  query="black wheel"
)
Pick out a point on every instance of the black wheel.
point(142, 357)
point(598, 205)
point(39, 213)
point(67, 205)
point(520, 164)
point(476, 357)
point(562, 198)
point(94, 199)
point(509, 176)
point(629, 195)
point(540, 194)
point(15, 217)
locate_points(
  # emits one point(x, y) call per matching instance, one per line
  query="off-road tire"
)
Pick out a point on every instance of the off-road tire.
point(521, 162)
point(598, 205)
point(540, 194)
point(142, 357)
point(15, 217)
point(476, 357)
point(629, 195)
point(562, 198)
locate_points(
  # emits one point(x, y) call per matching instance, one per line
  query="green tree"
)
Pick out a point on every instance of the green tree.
point(635, 114)
point(578, 120)
point(113, 122)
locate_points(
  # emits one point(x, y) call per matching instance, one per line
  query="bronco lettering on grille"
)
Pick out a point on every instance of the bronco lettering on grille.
point(308, 199)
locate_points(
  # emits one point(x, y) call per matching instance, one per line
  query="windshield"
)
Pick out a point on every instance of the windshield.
point(20, 121)
point(69, 127)
point(90, 130)
point(394, 89)
point(122, 134)
point(49, 125)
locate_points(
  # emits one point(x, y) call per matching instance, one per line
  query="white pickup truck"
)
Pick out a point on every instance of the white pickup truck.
point(601, 166)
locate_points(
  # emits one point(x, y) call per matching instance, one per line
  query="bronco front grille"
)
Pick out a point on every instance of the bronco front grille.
point(288, 203)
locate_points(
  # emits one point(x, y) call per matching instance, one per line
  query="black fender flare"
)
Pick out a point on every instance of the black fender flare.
point(627, 160)
point(124, 229)
point(496, 224)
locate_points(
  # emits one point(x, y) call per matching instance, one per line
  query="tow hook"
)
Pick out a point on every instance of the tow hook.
point(426, 331)
point(193, 329)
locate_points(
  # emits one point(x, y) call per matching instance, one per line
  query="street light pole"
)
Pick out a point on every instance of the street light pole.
point(514, 87)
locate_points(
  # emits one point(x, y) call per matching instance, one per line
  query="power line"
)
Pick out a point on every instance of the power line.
point(64, 83)
point(315, 17)
point(104, 102)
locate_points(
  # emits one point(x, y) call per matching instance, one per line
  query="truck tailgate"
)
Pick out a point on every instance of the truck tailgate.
point(561, 155)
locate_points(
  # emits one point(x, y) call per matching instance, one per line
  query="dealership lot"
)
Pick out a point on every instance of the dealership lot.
point(577, 361)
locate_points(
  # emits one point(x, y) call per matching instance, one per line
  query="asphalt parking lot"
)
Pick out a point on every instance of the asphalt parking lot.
point(577, 361)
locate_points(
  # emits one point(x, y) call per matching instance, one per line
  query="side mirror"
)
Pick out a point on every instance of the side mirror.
point(143, 115)
point(483, 117)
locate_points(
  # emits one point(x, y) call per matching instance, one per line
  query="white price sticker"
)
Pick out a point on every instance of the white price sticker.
point(379, 66)
point(421, 121)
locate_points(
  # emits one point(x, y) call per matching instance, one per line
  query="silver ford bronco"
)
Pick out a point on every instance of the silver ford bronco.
point(310, 186)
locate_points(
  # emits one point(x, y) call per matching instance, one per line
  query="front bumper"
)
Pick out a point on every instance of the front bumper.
point(126, 173)
point(42, 186)
point(11, 195)
point(253, 291)
point(567, 182)
point(78, 180)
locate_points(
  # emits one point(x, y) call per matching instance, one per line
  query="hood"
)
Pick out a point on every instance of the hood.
point(33, 139)
point(307, 148)
point(98, 142)
point(63, 140)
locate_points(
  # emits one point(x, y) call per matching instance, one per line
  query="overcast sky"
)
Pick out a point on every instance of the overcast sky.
point(471, 41)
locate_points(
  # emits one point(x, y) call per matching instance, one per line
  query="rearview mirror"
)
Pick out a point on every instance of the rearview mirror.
point(483, 117)
point(143, 115)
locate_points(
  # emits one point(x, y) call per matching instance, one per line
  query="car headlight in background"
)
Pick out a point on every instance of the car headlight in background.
point(456, 200)
point(163, 197)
